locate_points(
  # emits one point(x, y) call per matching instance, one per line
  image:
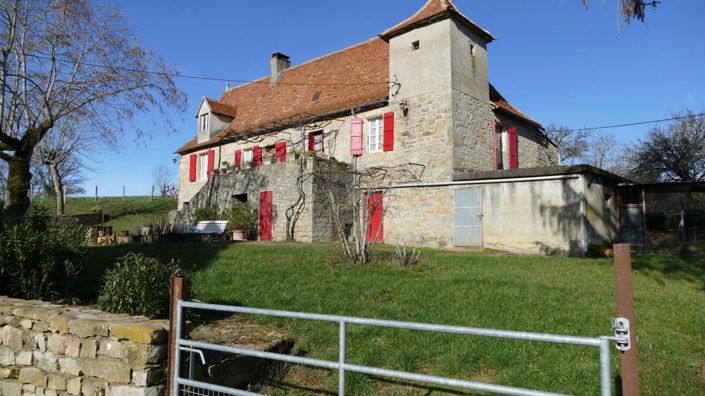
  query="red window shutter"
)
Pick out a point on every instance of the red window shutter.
point(513, 154)
point(280, 151)
point(257, 155)
point(311, 141)
point(211, 162)
point(238, 159)
point(193, 158)
point(389, 131)
point(356, 147)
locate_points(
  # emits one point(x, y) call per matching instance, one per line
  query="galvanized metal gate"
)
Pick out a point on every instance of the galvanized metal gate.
point(468, 217)
point(185, 384)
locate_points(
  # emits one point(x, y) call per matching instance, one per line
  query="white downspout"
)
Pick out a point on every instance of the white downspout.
point(583, 225)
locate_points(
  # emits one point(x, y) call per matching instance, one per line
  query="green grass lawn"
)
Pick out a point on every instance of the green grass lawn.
point(125, 215)
point(529, 293)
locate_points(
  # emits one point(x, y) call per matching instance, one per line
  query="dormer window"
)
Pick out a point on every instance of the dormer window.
point(204, 122)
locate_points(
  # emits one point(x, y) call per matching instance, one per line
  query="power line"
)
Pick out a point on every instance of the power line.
point(636, 123)
point(194, 77)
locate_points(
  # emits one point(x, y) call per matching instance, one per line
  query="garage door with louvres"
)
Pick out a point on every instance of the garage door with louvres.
point(468, 217)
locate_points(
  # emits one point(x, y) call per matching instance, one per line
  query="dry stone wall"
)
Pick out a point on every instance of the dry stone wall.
point(55, 350)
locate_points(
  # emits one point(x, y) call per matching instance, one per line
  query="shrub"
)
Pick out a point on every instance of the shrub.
point(241, 217)
point(205, 214)
point(406, 258)
point(138, 285)
point(40, 261)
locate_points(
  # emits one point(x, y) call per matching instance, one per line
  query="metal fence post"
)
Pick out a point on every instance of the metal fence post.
point(625, 308)
point(605, 368)
point(341, 359)
point(178, 291)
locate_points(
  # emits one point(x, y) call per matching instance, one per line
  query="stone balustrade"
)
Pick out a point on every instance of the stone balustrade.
point(48, 349)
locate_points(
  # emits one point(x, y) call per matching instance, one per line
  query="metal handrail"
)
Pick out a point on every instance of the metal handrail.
point(602, 343)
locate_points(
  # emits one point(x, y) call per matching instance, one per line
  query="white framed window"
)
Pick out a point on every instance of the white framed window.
point(204, 122)
point(374, 135)
point(247, 157)
point(203, 170)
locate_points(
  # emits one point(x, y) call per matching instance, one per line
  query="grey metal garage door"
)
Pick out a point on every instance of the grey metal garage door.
point(468, 217)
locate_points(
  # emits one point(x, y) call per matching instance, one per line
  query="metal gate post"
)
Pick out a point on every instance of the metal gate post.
point(341, 359)
point(624, 294)
point(605, 369)
point(178, 291)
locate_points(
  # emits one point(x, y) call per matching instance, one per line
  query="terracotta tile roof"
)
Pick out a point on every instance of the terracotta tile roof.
point(344, 79)
point(498, 100)
point(221, 108)
point(431, 11)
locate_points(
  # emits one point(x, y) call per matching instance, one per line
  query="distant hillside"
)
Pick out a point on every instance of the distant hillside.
point(125, 215)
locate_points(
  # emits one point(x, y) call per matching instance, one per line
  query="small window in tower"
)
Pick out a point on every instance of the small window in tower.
point(473, 50)
point(415, 45)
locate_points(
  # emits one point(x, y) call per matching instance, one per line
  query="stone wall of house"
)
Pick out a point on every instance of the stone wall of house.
point(55, 350)
point(472, 133)
point(225, 190)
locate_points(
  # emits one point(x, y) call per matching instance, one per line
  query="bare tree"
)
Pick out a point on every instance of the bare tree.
point(603, 150)
point(64, 152)
point(3, 181)
point(572, 145)
point(163, 178)
point(355, 196)
point(60, 57)
point(675, 152)
point(633, 9)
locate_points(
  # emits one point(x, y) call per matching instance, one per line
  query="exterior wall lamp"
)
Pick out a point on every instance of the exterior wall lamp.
point(404, 106)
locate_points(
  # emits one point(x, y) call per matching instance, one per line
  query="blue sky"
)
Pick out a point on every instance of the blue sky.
point(552, 59)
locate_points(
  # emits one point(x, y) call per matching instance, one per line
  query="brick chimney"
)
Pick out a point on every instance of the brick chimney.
point(279, 62)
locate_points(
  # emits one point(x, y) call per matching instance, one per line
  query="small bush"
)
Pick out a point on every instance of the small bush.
point(241, 217)
point(406, 258)
point(40, 261)
point(206, 214)
point(138, 285)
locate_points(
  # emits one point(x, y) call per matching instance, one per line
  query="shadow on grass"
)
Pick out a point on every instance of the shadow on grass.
point(690, 268)
point(191, 256)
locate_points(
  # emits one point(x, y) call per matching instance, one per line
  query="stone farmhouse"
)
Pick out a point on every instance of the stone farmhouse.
point(418, 93)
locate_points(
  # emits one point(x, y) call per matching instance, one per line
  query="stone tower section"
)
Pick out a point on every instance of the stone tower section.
point(439, 58)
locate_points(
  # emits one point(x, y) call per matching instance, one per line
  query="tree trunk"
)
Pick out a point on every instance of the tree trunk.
point(19, 178)
point(58, 188)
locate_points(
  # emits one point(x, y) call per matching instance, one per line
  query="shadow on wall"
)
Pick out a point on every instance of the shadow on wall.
point(565, 219)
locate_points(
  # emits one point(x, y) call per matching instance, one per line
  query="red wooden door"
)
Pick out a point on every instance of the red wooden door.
point(265, 216)
point(375, 211)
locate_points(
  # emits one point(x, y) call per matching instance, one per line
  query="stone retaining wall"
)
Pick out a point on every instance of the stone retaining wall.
point(48, 349)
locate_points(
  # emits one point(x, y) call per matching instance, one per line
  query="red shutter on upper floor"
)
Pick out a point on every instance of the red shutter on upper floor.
point(513, 154)
point(257, 155)
point(211, 162)
point(389, 131)
point(193, 158)
point(238, 159)
point(356, 146)
point(311, 141)
point(280, 151)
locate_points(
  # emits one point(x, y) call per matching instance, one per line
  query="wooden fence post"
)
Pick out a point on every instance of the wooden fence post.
point(178, 291)
point(625, 309)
